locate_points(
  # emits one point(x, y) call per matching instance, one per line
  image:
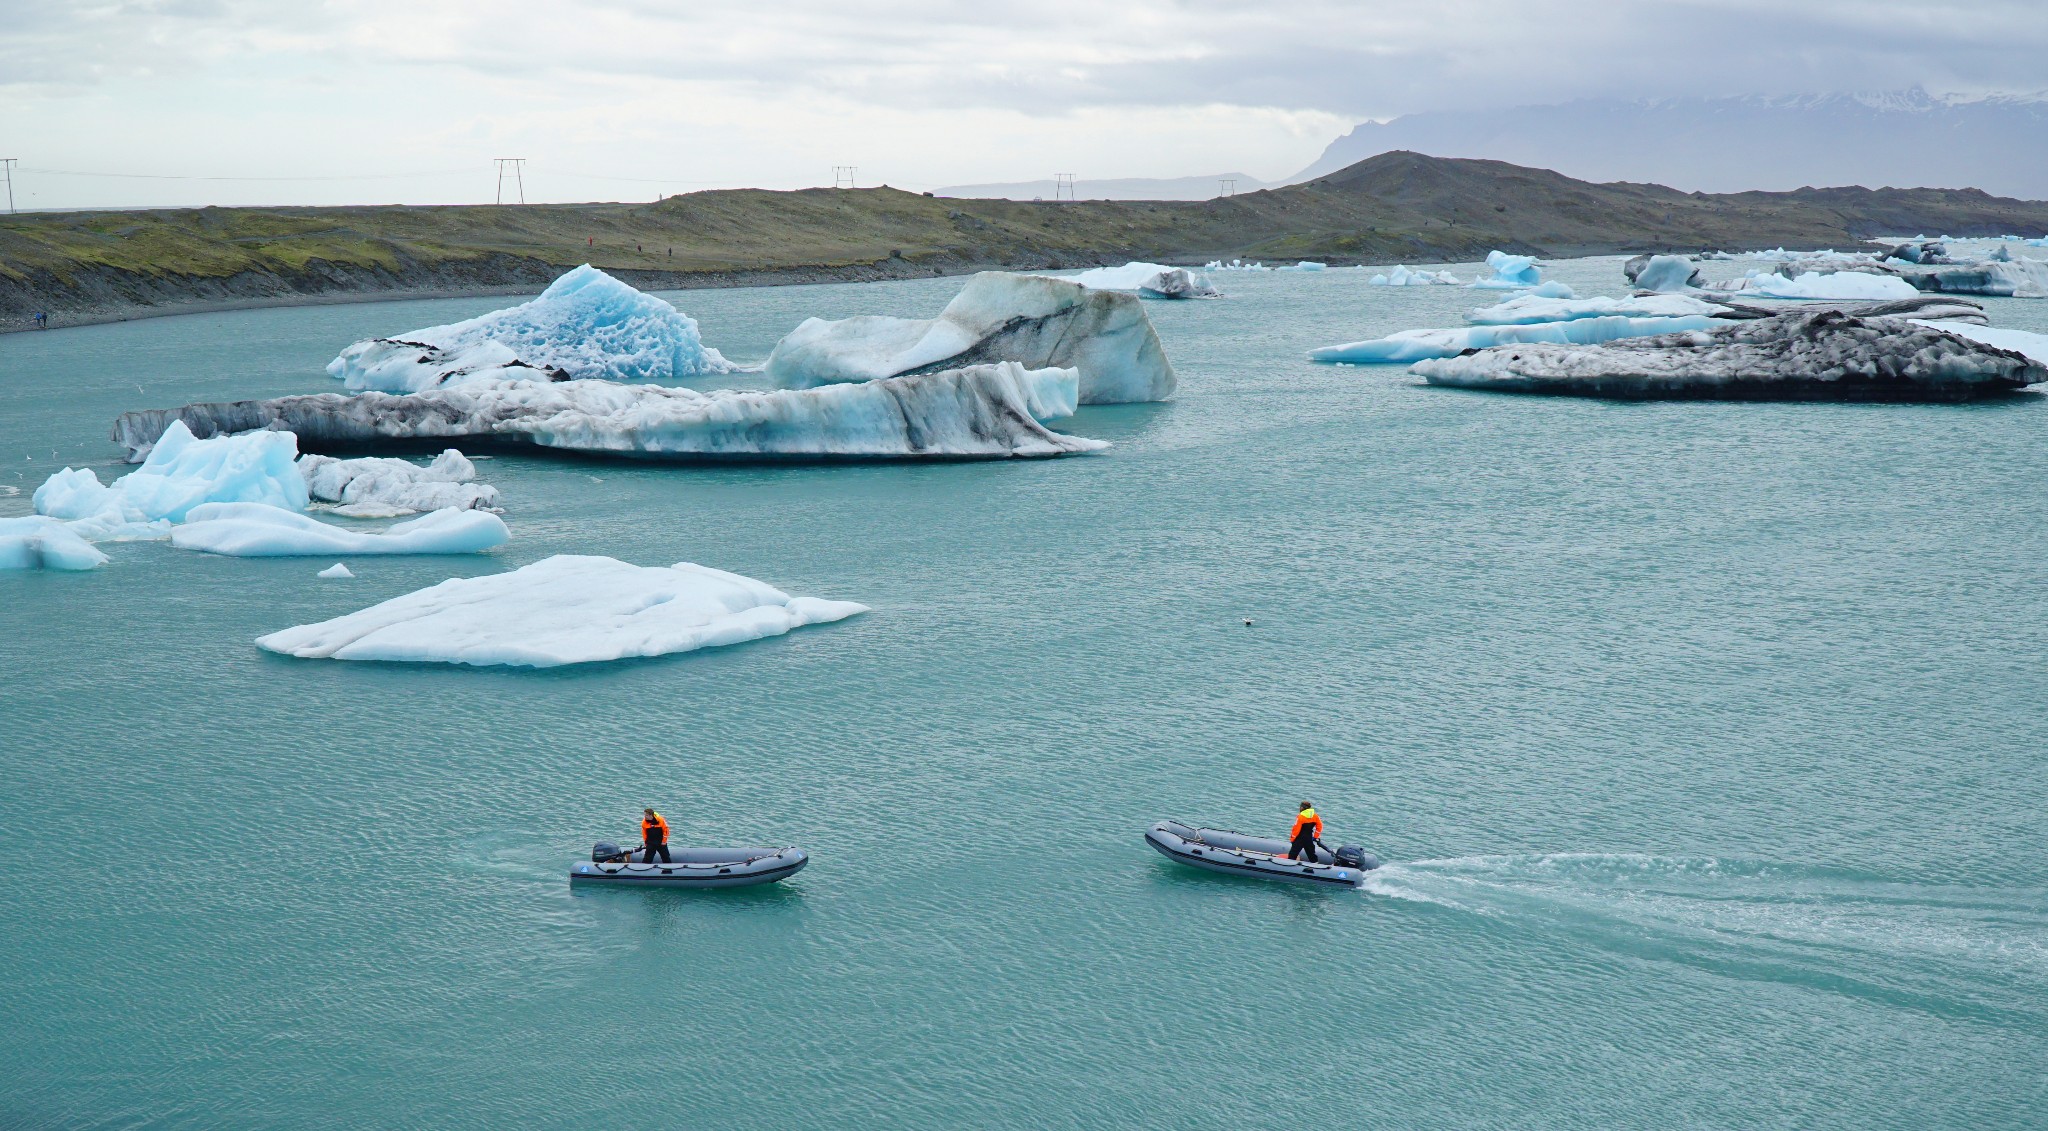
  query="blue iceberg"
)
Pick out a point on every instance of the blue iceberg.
point(585, 325)
point(1510, 272)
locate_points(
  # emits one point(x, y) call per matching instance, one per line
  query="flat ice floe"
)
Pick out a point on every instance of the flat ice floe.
point(1525, 310)
point(1807, 355)
point(1833, 285)
point(1147, 280)
point(1034, 320)
point(254, 530)
point(39, 542)
point(585, 325)
point(979, 412)
point(1401, 276)
point(1416, 345)
point(566, 609)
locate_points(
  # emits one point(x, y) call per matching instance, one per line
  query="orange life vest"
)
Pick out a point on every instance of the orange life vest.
point(648, 825)
point(1306, 819)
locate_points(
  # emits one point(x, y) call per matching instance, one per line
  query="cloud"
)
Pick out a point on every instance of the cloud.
point(940, 90)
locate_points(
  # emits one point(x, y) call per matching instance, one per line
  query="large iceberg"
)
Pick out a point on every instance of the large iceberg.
point(253, 530)
point(2007, 278)
point(2025, 342)
point(585, 325)
point(1804, 355)
point(39, 542)
point(979, 412)
point(377, 487)
point(1148, 280)
point(1415, 345)
point(562, 610)
point(1034, 320)
point(180, 472)
point(1509, 271)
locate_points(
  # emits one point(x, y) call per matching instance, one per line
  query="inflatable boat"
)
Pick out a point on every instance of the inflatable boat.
point(689, 867)
point(1241, 854)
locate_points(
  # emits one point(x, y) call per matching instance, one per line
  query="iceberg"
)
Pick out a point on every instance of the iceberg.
point(1034, 320)
point(179, 471)
point(585, 325)
point(567, 609)
point(1305, 265)
point(979, 412)
point(1416, 345)
point(1920, 251)
point(1802, 355)
point(1668, 273)
point(2011, 278)
point(256, 530)
point(375, 487)
point(1401, 276)
point(1234, 265)
point(1836, 285)
point(1149, 280)
point(337, 570)
point(2034, 346)
point(1509, 272)
point(1525, 310)
point(40, 542)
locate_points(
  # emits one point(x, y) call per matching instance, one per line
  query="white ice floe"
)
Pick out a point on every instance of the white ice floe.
point(1147, 280)
point(1803, 355)
point(1417, 345)
point(2019, 341)
point(585, 325)
point(253, 530)
point(1234, 265)
point(180, 472)
point(1034, 320)
point(1671, 273)
point(2009, 278)
point(337, 570)
point(1305, 265)
point(1835, 285)
point(979, 412)
point(1525, 310)
point(1509, 272)
point(39, 542)
point(1401, 276)
point(375, 487)
point(562, 610)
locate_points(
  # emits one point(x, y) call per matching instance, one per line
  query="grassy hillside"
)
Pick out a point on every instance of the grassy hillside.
point(1397, 206)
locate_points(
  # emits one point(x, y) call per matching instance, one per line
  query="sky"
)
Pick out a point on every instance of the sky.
point(181, 102)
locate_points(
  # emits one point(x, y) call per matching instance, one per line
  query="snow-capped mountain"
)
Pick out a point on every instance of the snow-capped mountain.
point(1903, 139)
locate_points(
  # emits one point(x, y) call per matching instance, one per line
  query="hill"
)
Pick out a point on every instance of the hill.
point(1724, 144)
point(92, 266)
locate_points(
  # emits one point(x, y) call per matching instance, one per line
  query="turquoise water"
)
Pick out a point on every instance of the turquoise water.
point(1706, 741)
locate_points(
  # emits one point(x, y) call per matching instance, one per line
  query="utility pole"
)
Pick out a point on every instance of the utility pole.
point(1063, 187)
point(518, 167)
point(7, 166)
point(842, 176)
point(1226, 186)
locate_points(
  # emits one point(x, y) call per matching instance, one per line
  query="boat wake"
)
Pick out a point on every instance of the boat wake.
point(1957, 950)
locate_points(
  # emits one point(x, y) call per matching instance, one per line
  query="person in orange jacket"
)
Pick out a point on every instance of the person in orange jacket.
point(654, 834)
point(1307, 833)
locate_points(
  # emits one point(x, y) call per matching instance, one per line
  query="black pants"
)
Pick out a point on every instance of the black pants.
point(654, 846)
point(1303, 846)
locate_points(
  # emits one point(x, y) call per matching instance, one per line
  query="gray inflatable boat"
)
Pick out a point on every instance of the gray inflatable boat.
point(1242, 854)
point(689, 867)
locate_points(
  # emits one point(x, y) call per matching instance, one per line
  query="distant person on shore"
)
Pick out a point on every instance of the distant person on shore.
point(654, 834)
point(1307, 833)
point(42, 321)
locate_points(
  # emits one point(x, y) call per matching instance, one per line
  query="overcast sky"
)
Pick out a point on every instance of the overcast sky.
point(408, 100)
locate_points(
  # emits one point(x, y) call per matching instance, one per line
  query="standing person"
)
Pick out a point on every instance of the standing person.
point(1308, 831)
point(654, 834)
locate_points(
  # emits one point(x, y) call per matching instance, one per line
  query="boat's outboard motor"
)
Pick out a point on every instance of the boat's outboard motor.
point(605, 852)
point(1352, 856)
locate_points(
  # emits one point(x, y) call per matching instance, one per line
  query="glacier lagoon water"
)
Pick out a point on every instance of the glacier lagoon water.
point(1706, 741)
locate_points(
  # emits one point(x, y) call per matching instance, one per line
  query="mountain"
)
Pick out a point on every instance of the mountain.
point(1904, 139)
point(1392, 208)
point(1126, 188)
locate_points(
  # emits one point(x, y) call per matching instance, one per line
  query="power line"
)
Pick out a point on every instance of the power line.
point(1226, 186)
point(842, 176)
point(7, 164)
point(184, 177)
point(1063, 187)
point(518, 167)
